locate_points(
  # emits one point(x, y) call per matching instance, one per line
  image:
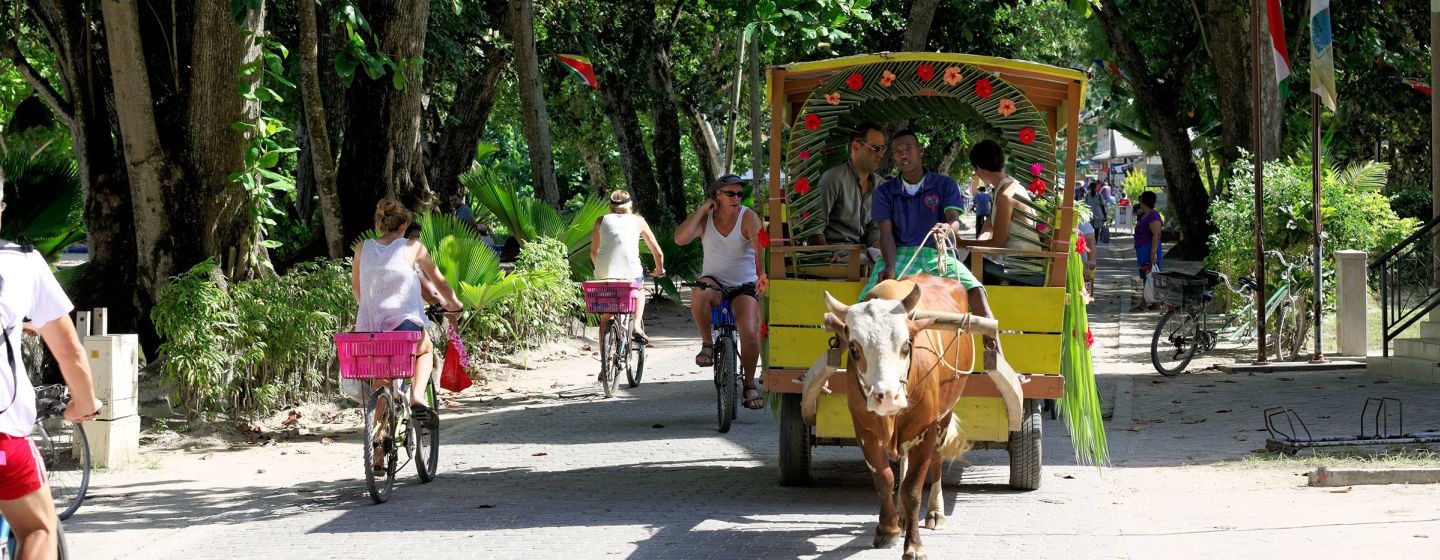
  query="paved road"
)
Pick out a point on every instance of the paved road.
point(552, 471)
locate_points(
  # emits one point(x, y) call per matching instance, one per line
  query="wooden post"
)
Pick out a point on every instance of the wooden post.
point(777, 198)
point(82, 323)
point(100, 321)
point(1258, 42)
point(1066, 214)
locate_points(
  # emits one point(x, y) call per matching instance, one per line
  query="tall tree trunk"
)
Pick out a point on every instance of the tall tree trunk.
point(532, 102)
point(322, 158)
point(917, 26)
point(952, 155)
point(1158, 104)
point(82, 64)
point(381, 150)
point(594, 169)
point(468, 115)
point(707, 149)
point(1227, 25)
point(666, 119)
point(634, 160)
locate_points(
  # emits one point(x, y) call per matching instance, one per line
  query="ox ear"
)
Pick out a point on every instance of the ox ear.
point(912, 300)
point(837, 308)
point(836, 325)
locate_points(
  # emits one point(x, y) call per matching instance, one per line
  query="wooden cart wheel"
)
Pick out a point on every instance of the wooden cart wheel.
point(1024, 446)
point(794, 443)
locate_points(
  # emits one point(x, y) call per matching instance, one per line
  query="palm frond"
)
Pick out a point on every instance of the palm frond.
point(45, 201)
point(1367, 176)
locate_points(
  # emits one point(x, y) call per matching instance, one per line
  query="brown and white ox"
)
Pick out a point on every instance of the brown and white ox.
point(908, 343)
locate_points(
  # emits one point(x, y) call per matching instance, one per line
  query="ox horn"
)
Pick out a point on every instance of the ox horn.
point(969, 323)
point(835, 306)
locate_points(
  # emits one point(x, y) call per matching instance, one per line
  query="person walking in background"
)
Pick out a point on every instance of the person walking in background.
point(1099, 213)
point(1147, 242)
point(615, 250)
point(982, 209)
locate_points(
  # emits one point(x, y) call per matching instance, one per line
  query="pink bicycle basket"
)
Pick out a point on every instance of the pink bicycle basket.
point(377, 355)
point(611, 296)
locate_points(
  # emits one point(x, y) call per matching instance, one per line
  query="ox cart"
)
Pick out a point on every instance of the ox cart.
point(1023, 105)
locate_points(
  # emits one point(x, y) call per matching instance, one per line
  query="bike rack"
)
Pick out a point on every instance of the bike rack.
point(1376, 415)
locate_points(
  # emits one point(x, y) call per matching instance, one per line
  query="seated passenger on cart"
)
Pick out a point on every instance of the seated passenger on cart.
point(845, 194)
point(911, 210)
point(729, 233)
point(1004, 228)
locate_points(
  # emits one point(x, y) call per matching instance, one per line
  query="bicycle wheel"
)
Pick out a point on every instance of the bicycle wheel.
point(726, 381)
point(66, 453)
point(1291, 324)
point(1175, 342)
point(612, 356)
point(427, 440)
point(637, 364)
point(382, 480)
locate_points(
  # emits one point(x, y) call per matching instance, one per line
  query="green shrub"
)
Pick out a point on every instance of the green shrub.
point(1412, 202)
point(256, 345)
point(1355, 212)
point(541, 309)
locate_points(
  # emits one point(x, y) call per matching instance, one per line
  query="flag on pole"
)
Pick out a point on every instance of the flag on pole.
point(581, 67)
point(1277, 40)
point(1322, 53)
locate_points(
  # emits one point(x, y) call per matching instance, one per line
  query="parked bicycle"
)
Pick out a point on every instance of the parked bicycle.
point(620, 350)
point(64, 448)
point(393, 435)
point(1189, 329)
point(726, 352)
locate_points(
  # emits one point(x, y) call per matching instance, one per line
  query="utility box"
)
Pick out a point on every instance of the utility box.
point(114, 434)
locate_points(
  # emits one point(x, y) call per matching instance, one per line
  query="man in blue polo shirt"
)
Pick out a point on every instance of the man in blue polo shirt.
point(907, 209)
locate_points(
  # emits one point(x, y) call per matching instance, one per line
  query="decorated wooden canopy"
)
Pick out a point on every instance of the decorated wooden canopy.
point(816, 105)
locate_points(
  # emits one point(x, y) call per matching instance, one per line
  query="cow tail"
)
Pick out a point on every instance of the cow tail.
point(953, 444)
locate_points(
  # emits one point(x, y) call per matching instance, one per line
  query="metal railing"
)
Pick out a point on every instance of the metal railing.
point(1409, 281)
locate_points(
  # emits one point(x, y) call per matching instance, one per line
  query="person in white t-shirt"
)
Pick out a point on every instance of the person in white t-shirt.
point(28, 289)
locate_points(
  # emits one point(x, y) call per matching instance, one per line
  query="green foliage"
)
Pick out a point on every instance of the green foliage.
point(44, 201)
point(1355, 212)
point(680, 262)
point(1412, 202)
point(246, 348)
point(355, 52)
point(264, 179)
point(1081, 403)
point(1135, 182)
point(529, 219)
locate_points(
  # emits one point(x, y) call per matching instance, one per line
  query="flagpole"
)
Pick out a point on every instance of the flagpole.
point(1259, 46)
point(1318, 357)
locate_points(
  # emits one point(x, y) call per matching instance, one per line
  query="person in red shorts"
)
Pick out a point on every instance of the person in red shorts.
point(28, 289)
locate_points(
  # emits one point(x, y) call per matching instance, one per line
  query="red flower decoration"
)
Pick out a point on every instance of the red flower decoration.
point(1042, 227)
point(887, 78)
point(802, 186)
point(1037, 187)
point(1081, 246)
point(926, 72)
point(833, 98)
point(804, 155)
point(856, 81)
point(1036, 169)
point(764, 238)
point(952, 75)
point(764, 330)
point(805, 215)
point(1089, 338)
point(1027, 135)
point(983, 88)
point(812, 122)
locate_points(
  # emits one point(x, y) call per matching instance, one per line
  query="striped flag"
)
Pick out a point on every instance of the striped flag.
point(1322, 53)
point(581, 67)
point(1277, 40)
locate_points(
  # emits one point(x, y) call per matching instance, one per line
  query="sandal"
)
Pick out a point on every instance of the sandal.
point(425, 416)
point(756, 402)
point(706, 357)
point(640, 337)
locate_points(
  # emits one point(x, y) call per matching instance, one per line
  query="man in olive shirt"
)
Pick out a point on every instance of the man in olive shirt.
point(846, 191)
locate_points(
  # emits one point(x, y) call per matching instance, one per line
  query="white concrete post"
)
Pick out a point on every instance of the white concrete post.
point(114, 434)
point(1350, 284)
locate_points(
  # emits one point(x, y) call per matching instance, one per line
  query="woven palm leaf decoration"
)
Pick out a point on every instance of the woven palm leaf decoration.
point(893, 91)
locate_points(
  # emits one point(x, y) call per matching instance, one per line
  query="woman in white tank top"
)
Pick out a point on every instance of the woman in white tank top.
point(615, 250)
point(387, 289)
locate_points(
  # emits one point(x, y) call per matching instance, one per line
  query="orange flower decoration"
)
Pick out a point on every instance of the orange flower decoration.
point(1027, 135)
point(855, 81)
point(887, 78)
point(983, 88)
point(1007, 107)
point(952, 75)
point(926, 72)
point(833, 98)
point(812, 121)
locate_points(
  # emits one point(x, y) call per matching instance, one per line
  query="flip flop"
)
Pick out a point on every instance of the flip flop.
point(756, 402)
point(640, 337)
point(425, 416)
point(706, 357)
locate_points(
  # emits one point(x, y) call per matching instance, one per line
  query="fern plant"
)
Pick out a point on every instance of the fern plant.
point(530, 219)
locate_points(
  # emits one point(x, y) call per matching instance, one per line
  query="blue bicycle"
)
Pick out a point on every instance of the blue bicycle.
point(725, 352)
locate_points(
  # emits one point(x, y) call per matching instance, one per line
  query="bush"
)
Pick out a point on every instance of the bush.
point(256, 345)
point(1355, 212)
point(1412, 202)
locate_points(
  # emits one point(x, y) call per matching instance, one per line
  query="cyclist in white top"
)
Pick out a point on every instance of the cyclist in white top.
point(730, 262)
point(615, 250)
point(388, 291)
point(29, 289)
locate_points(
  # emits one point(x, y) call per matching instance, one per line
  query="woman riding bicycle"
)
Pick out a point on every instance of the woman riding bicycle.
point(28, 288)
point(388, 291)
point(730, 235)
point(615, 250)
